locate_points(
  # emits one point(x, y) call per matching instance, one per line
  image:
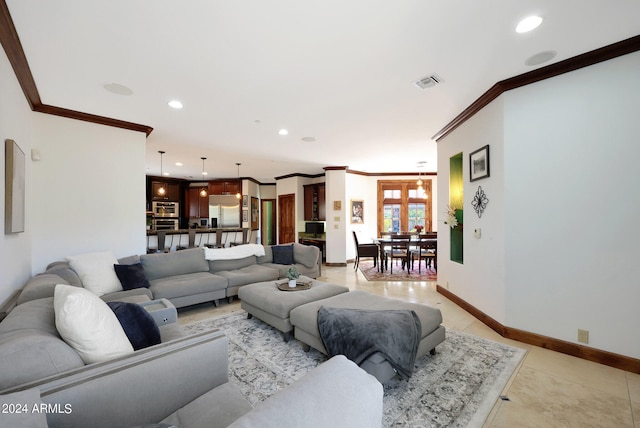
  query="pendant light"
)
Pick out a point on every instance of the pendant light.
point(203, 191)
point(239, 194)
point(421, 192)
point(161, 190)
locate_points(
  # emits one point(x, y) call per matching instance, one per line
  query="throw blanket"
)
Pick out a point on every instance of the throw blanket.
point(358, 334)
point(232, 253)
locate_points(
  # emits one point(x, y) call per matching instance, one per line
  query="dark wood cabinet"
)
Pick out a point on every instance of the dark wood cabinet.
point(172, 191)
point(223, 187)
point(197, 206)
point(314, 202)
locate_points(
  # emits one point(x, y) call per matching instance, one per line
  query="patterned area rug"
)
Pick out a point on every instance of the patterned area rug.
point(371, 273)
point(457, 387)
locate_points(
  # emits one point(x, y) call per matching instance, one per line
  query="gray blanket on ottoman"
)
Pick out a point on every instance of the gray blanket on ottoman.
point(359, 333)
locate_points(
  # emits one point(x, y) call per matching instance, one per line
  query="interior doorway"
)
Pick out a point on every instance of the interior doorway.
point(286, 218)
point(268, 221)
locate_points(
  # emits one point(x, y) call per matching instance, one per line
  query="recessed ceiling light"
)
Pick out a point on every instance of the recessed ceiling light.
point(308, 139)
point(283, 132)
point(540, 57)
point(116, 88)
point(178, 163)
point(175, 104)
point(529, 23)
point(165, 173)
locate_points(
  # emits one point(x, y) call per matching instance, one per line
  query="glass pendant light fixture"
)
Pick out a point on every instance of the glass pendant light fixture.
point(421, 192)
point(203, 191)
point(239, 194)
point(161, 190)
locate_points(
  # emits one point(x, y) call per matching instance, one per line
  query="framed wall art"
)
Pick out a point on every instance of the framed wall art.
point(14, 191)
point(357, 211)
point(254, 213)
point(479, 164)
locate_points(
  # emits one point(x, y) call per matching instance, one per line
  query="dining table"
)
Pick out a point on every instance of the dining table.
point(427, 242)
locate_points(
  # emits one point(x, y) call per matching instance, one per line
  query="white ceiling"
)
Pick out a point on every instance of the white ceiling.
point(341, 72)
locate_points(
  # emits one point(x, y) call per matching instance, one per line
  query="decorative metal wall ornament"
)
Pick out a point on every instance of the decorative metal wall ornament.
point(480, 201)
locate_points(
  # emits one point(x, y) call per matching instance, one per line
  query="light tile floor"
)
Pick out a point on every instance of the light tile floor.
point(549, 389)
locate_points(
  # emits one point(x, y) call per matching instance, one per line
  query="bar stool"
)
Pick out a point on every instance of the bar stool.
point(161, 240)
point(191, 243)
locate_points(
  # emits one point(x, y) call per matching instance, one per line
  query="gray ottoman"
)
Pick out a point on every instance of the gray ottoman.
point(266, 302)
point(305, 320)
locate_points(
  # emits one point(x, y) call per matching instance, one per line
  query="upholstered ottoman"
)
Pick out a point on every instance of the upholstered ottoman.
point(304, 319)
point(266, 302)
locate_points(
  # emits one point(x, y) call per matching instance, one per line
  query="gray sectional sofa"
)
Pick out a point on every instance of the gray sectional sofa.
point(185, 277)
point(31, 348)
point(183, 380)
point(184, 383)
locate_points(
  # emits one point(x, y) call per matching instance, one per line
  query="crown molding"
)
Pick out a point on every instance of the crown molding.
point(605, 53)
point(15, 53)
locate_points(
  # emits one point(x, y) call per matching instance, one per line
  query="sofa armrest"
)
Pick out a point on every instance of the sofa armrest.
point(139, 388)
point(337, 393)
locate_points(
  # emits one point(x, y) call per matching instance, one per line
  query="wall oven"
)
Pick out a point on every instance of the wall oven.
point(165, 209)
point(165, 224)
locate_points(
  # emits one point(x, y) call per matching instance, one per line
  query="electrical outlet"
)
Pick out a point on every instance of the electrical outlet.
point(583, 336)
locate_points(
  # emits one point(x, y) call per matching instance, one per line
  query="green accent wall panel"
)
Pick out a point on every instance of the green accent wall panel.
point(456, 200)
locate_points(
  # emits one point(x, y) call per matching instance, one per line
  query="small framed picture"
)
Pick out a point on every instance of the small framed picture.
point(337, 205)
point(479, 164)
point(357, 211)
point(245, 201)
point(254, 213)
point(245, 216)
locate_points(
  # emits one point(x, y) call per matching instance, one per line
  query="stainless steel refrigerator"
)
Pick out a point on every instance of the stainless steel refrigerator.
point(225, 209)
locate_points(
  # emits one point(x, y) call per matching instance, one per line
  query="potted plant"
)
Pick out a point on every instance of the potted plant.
point(292, 275)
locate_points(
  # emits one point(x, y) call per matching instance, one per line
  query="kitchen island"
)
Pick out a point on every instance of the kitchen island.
point(218, 237)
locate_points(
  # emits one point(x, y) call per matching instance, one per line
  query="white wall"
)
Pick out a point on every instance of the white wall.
point(558, 249)
point(15, 123)
point(88, 190)
point(86, 194)
point(575, 264)
point(480, 279)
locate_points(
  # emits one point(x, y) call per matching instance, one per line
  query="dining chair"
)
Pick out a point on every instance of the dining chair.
point(365, 250)
point(398, 249)
point(425, 249)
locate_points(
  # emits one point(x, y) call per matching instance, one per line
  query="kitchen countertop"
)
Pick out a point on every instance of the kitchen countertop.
point(152, 232)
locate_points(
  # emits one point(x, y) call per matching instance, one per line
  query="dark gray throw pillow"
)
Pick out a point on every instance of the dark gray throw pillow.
point(283, 254)
point(131, 276)
point(137, 324)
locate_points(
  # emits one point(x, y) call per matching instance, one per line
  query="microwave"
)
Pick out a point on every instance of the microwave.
point(165, 209)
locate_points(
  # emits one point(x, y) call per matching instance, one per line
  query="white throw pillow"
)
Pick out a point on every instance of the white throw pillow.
point(96, 272)
point(88, 325)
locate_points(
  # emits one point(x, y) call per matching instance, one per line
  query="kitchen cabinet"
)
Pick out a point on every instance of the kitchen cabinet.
point(197, 206)
point(172, 191)
point(314, 202)
point(223, 187)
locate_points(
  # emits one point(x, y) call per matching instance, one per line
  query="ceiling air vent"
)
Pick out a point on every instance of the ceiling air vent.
point(428, 82)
